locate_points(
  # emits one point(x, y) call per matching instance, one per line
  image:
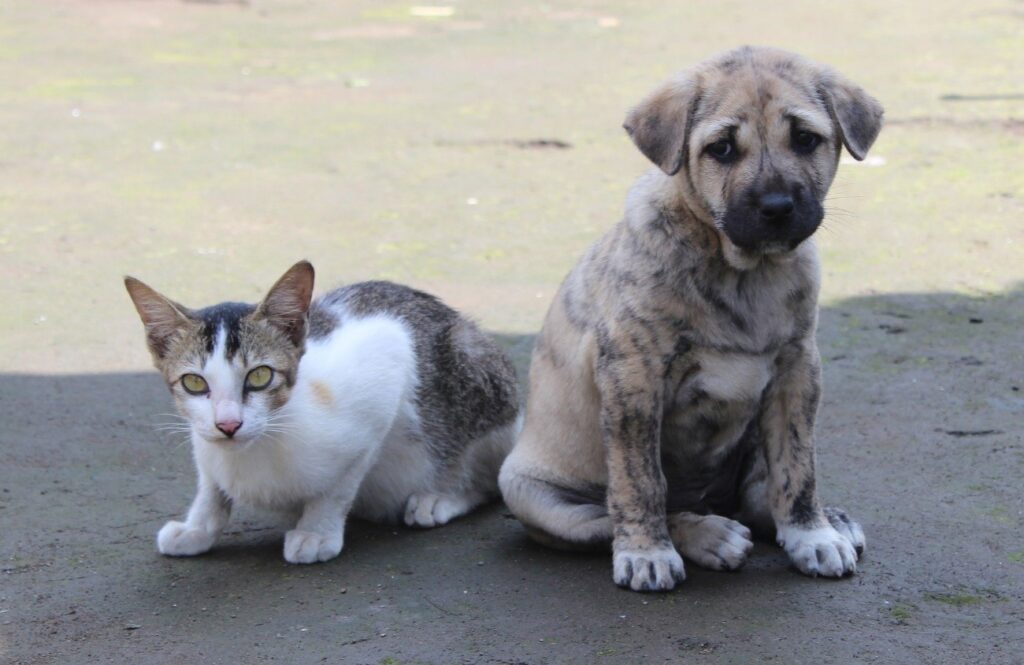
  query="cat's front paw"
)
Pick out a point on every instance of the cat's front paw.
point(429, 510)
point(180, 539)
point(654, 569)
point(819, 551)
point(310, 547)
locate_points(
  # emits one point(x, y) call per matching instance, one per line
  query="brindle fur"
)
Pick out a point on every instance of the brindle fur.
point(676, 378)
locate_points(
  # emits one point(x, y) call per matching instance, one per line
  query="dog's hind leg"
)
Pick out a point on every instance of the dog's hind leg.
point(557, 516)
point(576, 519)
point(755, 511)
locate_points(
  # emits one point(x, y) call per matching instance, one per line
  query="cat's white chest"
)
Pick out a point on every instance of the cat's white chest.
point(268, 474)
point(349, 393)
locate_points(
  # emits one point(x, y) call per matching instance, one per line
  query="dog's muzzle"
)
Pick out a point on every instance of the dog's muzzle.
point(772, 220)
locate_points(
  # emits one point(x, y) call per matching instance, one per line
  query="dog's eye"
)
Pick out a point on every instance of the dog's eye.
point(723, 150)
point(805, 142)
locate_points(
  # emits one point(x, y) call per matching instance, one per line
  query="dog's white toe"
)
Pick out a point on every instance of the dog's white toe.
point(850, 529)
point(655, 569)
point(711, 541)
point(820, 551)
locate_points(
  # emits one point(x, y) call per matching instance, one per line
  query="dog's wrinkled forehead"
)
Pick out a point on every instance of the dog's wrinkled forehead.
point(751, 85)
point(758, 96)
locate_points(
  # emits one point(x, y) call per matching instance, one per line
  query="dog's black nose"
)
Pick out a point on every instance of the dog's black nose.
point(775, 207)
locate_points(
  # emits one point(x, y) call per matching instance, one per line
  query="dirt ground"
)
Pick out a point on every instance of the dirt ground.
point(205, 146)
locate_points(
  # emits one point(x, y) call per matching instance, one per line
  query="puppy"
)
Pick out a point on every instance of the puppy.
point(675, 383)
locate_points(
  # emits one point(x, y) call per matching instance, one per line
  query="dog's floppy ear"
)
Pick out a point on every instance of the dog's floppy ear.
point(660, 124)
point(857, 114)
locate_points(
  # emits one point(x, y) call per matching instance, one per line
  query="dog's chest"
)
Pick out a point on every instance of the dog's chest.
point(727, 377)
point(711, 396)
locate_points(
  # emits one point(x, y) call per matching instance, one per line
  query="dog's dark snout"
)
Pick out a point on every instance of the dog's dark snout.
point(775, 206)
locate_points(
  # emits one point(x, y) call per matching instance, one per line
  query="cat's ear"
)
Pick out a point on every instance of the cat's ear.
point(288, 301)
point(163, 318)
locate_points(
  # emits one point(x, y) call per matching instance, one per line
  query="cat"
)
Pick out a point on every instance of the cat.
point(375, 399)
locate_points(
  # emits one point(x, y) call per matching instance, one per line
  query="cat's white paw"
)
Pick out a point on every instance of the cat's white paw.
point(428, 510)
point(711, 541)
point(655, 569)
point(310, 547)
point(819, 551)
point(179, 539)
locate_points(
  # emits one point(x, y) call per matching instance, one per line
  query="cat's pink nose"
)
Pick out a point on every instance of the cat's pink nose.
point(229, 427)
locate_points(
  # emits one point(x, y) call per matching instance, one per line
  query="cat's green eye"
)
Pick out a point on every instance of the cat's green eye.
point(194, 384)
point(259, 378)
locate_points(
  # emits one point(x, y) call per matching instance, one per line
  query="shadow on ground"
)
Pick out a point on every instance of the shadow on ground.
point(920, 437)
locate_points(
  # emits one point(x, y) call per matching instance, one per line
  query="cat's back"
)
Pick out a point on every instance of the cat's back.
point(424, 313)
point(466, 383)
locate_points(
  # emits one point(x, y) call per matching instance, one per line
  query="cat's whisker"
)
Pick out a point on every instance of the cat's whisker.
point(281, 422)
point(173, 416)
point(277, 435)
point(279, 418)
point(171, 425)
point(173, 430)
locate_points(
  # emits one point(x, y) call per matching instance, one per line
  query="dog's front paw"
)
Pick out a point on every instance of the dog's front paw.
point(179, 539)
point(842, 523)
point(654, 569)
point(819, 551)
point(711, 541)
point(310, 547)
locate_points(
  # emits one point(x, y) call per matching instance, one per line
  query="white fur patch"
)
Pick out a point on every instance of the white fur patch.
point(222, 402)
point(181, 539)
point(429, 510)
point(656, 569)
point(310, 546)
point(369, 366)
point(733, 377)
point(819, 551)
point(853, 532)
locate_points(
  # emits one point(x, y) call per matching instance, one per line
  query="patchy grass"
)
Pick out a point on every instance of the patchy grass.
point(1001, 515)
point(955, 599)
point(901, 613)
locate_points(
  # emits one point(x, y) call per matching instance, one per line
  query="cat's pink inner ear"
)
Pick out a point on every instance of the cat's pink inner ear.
point(288, 301)
point(162, 317)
